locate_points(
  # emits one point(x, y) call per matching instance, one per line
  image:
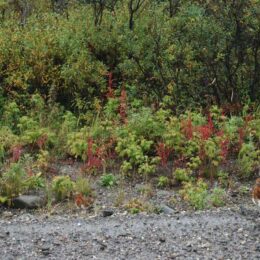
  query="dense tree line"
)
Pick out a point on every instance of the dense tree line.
point(182, 52)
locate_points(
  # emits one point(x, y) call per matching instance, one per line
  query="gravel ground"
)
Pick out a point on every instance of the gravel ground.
point(225, 233)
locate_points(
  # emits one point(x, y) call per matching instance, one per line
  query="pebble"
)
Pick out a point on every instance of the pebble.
point(107, 213)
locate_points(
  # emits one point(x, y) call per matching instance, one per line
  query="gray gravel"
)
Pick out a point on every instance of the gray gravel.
point(214, 234)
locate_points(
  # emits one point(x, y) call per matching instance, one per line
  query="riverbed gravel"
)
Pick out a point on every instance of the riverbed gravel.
point(224, 233)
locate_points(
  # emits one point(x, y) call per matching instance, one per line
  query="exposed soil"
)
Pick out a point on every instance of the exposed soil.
point(67, 232)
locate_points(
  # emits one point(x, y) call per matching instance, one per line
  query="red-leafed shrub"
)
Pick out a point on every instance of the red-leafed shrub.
point(16, 152)
point(187, 128)
point(163, 152)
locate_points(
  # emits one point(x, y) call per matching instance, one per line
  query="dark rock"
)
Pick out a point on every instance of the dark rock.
point(162, 239)
point(107, 212)
point(28, 202)
point(45, 250)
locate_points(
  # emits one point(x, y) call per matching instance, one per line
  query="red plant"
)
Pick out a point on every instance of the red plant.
point(29, 172)
point(207, 130)
point(41, 141)
point(202, 153)
point(123, 106)
point(248, 118)
point(241, 136)
point(83, 202)
point(93, 158)
point(110, 93)
point(178, 163)
point(109, 148)
point(224, 145)
point(210, 123)
point(163, 152)
point(187, 128)
point(16, 152)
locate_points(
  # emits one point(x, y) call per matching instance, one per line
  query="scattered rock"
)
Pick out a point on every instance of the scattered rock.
point(163, 193)
point(28, 202)
point(7, 214)
point(166, 210)
point(45, 250)
point(162, 239)
point(107, 212)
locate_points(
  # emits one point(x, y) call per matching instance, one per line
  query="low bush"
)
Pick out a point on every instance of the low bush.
point(62, 187)
point(16, 181)
point(163, 181)
point(108, 180)
point(200, 197)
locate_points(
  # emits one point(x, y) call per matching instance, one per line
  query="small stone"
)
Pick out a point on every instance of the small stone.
point(107, 213)
point(45, 250)
point(162, 239)
point(7, 214)
point(166, 210)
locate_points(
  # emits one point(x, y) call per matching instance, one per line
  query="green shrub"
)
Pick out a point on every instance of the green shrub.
point(35, 182)
point(108, 180)
point(135, 152)
point(223, 178)
point(248, 159)
point(182, 175)
point(7, 140)
point(82, 186)
point(13, 181)
point(62, 187)
point(135, 206)
point(163, 181)
point(196, 194)
point(217, 197)
point(77, 143)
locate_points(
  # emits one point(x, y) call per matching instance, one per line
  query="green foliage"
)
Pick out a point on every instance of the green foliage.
point(248, 159)
point(82, 186)
point(198, 195)
point(7, 140)
point(199, 55)
point(135, 152)
point(194, 163)
point(212, 151)
point(35, 182)
point(217, 197)
point(135, 206)
point(173, 136)
point(223, 178)
point(182, 175)
point(15, 181)
point(108, 180)
point(77, 143)
point(232, 125)
point(163, 181)
point(146, 124)
point(62, 187)
point(11, 114)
